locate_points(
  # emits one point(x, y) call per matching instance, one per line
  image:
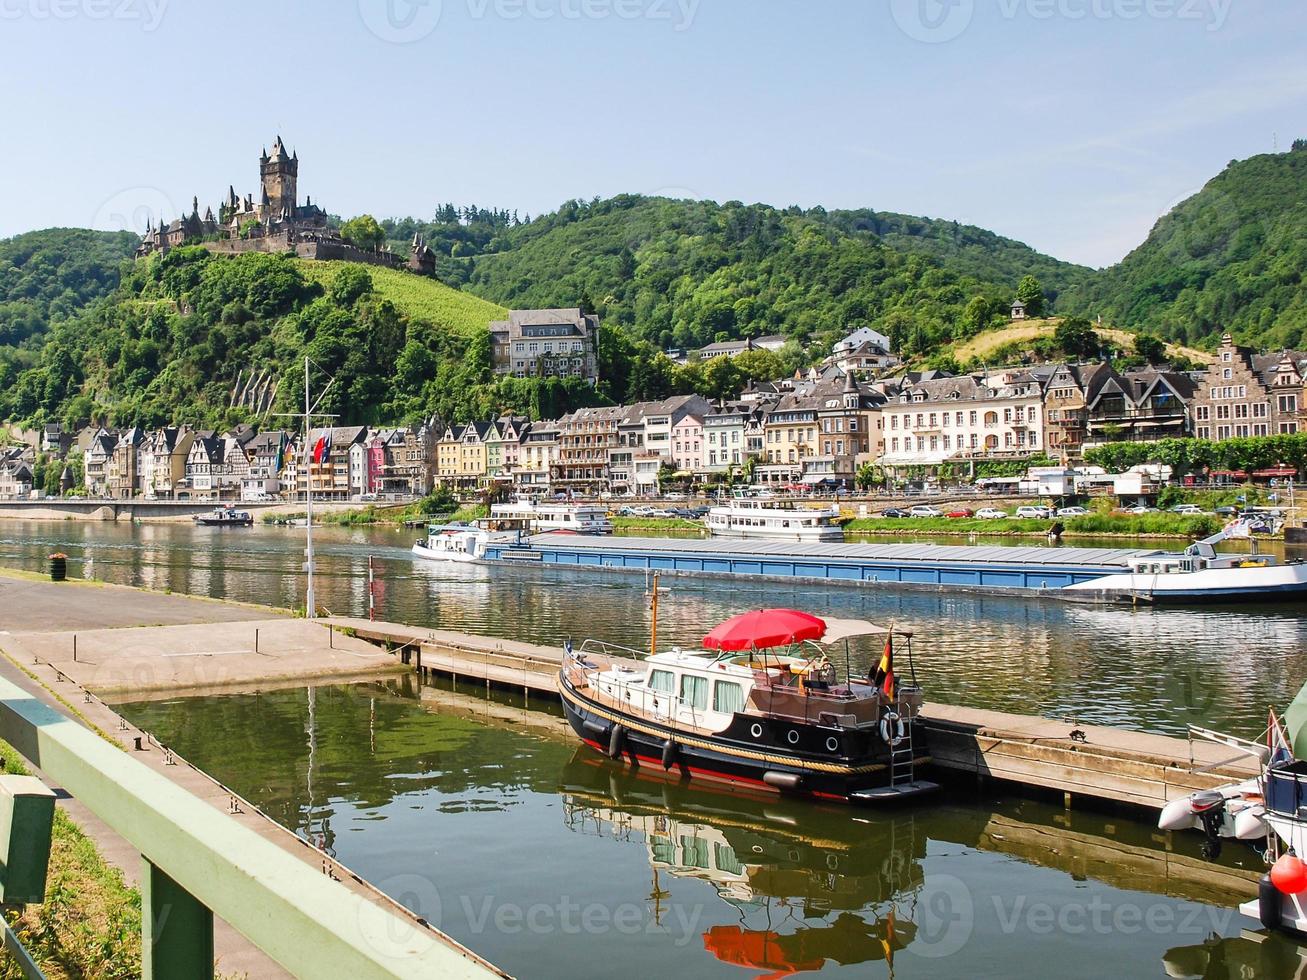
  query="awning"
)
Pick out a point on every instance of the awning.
point(811, 478)
point(844, 629)
point(1277, 471)
point(1237, 474)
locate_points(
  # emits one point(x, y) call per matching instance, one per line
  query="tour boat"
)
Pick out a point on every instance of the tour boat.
point(766, 519)
point(761, 705)
point(227, 516)
point(542, 518)
point(1200, 574)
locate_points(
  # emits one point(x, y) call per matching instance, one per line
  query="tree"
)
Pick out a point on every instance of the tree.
point(363, 231)
point(1032, 294)
point(1150, 348)
point(1076, 338)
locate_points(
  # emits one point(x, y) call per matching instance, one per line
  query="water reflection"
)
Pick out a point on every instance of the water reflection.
point(1242, 957)
point(803, 898)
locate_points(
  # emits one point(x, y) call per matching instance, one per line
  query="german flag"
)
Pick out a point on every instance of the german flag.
point(884, 676)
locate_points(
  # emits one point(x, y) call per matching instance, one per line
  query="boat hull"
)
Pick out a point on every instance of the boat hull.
point(457, 557)
point(857, 770)
point(1274, 583)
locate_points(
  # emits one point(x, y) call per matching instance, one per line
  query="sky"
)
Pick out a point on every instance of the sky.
point(1071, 125)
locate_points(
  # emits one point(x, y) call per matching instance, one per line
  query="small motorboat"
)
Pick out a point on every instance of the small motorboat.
point(452, 542)
point(762, 705)
point(227, 516)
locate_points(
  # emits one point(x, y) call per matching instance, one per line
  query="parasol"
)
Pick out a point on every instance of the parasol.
point(764, 628)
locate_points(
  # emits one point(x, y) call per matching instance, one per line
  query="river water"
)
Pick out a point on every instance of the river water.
point(1153, 669)
point(484, 815)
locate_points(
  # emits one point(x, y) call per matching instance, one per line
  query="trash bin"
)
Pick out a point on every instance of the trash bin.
point(58, 567)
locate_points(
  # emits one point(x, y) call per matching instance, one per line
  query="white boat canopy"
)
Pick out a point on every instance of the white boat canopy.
point(846, 629)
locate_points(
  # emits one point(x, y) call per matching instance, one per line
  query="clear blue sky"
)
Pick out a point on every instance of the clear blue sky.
point(1069, 124)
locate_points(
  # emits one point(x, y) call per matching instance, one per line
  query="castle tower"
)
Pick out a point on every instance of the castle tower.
point(280, 173)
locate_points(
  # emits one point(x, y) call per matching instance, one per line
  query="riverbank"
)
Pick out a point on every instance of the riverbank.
point(1123, 526)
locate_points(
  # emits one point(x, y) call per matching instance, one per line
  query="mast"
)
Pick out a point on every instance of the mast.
point(653, 605)
point(310, 606)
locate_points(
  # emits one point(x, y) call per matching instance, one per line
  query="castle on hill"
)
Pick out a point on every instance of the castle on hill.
point(277, 222)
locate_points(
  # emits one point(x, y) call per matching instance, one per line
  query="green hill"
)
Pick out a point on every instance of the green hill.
point(169, 344)
point(1232, 257)
point(415, 297)
point(686, 273)
point(50, 275)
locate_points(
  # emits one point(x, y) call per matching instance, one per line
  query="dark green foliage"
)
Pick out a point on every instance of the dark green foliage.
point(50, 275)
point(686, 273)
point(1075, 337)
point(1232, 257)
point(168, 344)
point(1196, 455)
point(1030, 292)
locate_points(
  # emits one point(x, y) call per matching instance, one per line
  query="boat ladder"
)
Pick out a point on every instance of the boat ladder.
point(900, 759)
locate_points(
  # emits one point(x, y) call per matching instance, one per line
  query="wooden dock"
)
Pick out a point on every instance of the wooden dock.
point(1094, 762)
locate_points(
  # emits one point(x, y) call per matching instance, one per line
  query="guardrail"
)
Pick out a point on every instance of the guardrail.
point(199, 862)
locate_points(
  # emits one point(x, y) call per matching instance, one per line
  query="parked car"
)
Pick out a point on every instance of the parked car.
point(895, 512)
point(1071, 512)
point(1037, 513)
point(1140, 509)
point(961, 512)
point(1226, 511)
point(925, 510)
point(1189, 510)
point(991, 514)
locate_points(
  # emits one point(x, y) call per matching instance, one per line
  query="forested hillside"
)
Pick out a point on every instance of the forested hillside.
point(1232, 257)
point(50, 275)
point(686, 273)
point(167, 345)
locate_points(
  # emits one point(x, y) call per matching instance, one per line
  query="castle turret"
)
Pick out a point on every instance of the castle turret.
point(280, 174)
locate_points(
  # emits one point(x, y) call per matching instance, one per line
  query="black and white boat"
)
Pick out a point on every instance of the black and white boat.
point(227, 516)
point(1270, 809)
point(762, 705)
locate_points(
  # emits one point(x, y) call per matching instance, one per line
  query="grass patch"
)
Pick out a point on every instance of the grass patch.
point(947, 525)
point(90, 924)
point(415, 296)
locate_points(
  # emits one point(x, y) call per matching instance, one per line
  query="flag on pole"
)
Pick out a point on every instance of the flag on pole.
point(322, 448)
point(884, 677)
point(281, 455)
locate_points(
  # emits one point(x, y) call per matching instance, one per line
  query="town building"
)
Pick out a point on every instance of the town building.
point(862, 337)
point(537, 456)
point(585, 439)
point(1244, 393)
point(734, 348)
point(96, 463)
point(547, 343)
point(964, 419)
point(688, 444)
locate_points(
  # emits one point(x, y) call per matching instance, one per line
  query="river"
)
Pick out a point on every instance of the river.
point(484, 815)
point(1157, 670)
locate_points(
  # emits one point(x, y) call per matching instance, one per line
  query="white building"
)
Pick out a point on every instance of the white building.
point(859, 337)
point(966, 418)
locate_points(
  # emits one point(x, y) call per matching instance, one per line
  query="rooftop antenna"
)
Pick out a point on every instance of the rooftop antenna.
point(310, 413)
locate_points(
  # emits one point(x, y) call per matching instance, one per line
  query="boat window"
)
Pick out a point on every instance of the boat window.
point(662, 680)
point(727, 697)
point(663, 849)
point(694, 691)
point(726, 860)
point(694, 852)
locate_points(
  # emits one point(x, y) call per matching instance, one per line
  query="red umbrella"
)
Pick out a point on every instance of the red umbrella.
point(765, 628)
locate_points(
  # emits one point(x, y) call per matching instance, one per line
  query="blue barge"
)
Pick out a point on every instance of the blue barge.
point(996, 570)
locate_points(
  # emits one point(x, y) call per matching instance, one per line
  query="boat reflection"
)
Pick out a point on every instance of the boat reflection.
point(810, 885)
point(1250, 954)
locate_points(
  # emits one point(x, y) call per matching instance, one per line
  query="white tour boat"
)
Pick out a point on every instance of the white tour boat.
point(767, 519)
point(1200, 574)
point(459, 542)
point(542, 518)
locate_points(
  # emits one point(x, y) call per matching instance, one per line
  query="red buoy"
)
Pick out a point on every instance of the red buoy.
point(1289, 875)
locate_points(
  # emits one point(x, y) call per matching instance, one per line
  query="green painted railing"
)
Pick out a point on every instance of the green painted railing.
point(200, 862)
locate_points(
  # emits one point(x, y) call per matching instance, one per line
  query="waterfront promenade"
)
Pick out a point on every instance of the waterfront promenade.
point(38, 619)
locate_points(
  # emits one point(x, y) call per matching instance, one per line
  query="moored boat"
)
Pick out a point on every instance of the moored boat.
point(542, 518)
point(456, 543)
point(227, 516)
point(1200, 574)
point(765, 519)
point(761, 705)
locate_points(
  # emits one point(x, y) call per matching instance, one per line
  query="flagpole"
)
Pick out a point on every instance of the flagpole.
point(310, 604)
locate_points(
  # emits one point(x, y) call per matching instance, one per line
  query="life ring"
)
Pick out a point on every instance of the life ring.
point(891, 729)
